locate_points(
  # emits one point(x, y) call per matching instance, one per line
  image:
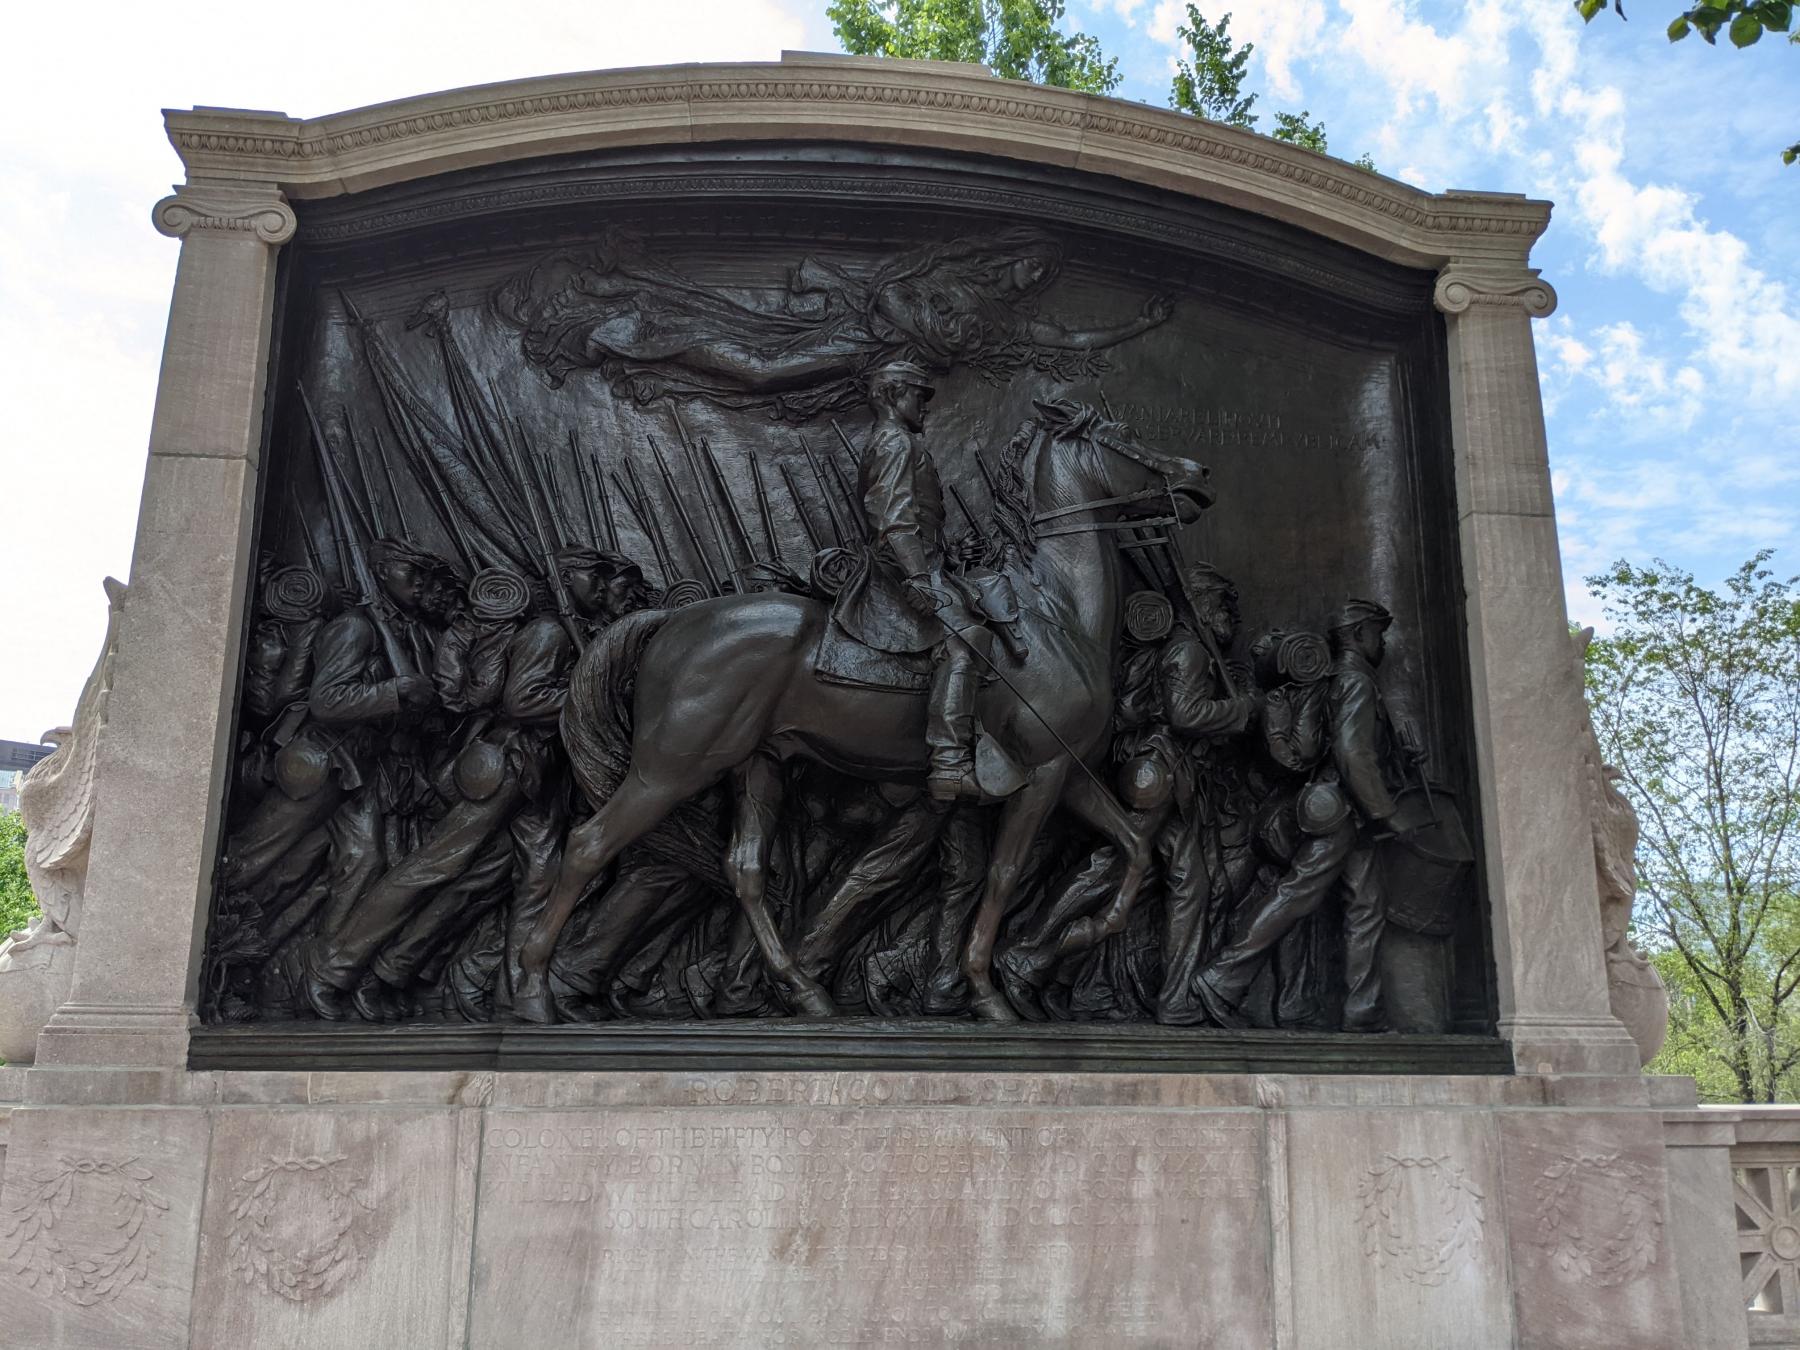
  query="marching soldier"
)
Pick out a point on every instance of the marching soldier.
point(509, 678)
point(1348, 802)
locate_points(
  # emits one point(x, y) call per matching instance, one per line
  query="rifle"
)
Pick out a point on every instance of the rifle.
point(762, 509)
point(350, 556)
point(665, 564)
point(565, 608)
point(812, 535)
point(687, 523)
point(837, 526)
point(1178, 565)
point(862, 521)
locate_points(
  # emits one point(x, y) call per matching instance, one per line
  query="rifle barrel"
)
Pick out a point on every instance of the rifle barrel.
point(831, 510)
point(664, 563)
point(681, 514)
point(812, 535)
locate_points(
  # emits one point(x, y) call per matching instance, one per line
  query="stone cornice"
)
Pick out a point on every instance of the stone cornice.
point(230, 208)
point(813, 97)
point(1459, 286)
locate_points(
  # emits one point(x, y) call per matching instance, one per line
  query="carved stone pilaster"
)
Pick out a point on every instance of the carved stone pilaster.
point(1459, 287)
point(1539, 852)
point(226, 208)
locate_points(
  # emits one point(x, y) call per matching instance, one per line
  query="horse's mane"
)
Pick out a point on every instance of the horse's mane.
point(1014, 532)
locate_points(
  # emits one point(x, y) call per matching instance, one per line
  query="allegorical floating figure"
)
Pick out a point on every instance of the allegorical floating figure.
point(808, 347)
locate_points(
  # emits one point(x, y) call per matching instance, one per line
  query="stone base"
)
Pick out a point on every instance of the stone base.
point(817, 1209)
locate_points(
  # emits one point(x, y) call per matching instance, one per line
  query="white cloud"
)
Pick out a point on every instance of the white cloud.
point(84, 280)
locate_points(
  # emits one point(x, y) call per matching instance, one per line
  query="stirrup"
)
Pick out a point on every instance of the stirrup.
point(953, 782)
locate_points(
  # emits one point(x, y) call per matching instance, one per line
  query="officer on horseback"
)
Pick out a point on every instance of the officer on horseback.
point(905, 599)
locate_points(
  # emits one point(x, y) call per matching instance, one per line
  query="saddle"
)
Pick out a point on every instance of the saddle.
point(842, 659)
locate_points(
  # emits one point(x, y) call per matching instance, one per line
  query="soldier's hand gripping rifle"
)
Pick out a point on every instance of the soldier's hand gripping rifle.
point(352, 561)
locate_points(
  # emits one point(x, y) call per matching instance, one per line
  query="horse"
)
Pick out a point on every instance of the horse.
point(666, 704)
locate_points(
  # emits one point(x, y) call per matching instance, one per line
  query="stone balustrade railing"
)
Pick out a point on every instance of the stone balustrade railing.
point(1765, 1177)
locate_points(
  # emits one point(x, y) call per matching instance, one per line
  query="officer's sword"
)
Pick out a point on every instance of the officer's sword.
point(1030, 707)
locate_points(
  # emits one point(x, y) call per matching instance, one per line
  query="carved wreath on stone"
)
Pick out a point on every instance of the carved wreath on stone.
point(298, 1273)
point(1429, 1260)
point(29, 1240)
point(1630, 1249)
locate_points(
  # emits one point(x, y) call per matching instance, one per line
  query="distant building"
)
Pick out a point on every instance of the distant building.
point(15, 758)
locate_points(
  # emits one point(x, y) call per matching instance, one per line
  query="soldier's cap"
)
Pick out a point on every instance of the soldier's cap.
point(385, 551)
point(581, 558)
point(1202, 577)
point(901, 372)
point(1354, 612)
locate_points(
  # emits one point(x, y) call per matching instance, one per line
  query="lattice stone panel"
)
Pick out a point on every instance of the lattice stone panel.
point(1768, 1222)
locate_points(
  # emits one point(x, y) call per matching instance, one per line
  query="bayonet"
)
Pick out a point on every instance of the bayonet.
point(681, 514)
point(862, 521)
point(727, 554)
point(582, 490)
point(665, 564)
point(731, 506)
point(812, 535)
point(552, 574)
point(837, 526)
point(606, 510)
point(762, 509)
point(350, 556)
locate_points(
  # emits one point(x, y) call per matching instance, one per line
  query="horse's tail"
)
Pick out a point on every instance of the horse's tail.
point(597, 714)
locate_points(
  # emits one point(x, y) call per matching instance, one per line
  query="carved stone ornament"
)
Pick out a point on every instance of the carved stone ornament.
point(1572, 1194)
point(1395, 1191)
point(227, 209)
point(1459, 287)
point(298, 1226)
point(37, 1238)
point(57, 798)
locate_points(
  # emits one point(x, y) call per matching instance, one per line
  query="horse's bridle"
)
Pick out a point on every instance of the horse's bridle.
point(1165, 492)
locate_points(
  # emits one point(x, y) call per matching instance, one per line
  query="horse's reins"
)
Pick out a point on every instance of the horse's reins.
point(1173, 518)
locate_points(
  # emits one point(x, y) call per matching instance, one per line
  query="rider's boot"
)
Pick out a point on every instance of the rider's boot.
point(950, 725)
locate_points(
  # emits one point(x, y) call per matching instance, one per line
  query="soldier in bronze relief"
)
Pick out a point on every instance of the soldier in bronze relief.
point(1349, 800)
point(904, 598)
point(847, 751)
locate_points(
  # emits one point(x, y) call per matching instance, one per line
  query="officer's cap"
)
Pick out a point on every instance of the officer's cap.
point(901, 372)
point(1354, 612)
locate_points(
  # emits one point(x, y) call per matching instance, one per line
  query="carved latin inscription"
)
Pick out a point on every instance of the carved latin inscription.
point(43, 1248)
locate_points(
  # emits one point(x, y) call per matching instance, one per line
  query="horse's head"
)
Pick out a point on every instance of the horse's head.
point(1143, 480)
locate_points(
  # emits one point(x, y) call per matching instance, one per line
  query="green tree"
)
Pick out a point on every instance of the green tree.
point(1744, 22)
point(1696, 698)
point(1296, 130)
point(18, 906)
point(1017, 39)
point(1212, 84)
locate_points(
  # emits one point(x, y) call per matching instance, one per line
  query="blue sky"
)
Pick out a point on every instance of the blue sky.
point(1671, 369)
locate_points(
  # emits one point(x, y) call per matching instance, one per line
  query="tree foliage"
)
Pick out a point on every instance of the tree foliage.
point(1296, 130)
point(1212, 84)
point(1017, 39)
point(18, 906)
point(1696, 698)
point(1744, 22)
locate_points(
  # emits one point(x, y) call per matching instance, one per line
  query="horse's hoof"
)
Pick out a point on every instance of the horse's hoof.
point(989, 1005)
point(532, 1001)
point(814, 1001)
point(1021, 979)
